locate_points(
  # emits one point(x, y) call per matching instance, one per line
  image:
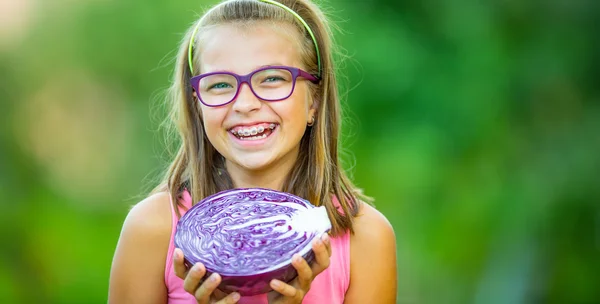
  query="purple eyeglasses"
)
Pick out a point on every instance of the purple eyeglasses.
point(272, 83)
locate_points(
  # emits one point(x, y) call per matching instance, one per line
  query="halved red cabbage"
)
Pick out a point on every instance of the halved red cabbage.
point(248, 236)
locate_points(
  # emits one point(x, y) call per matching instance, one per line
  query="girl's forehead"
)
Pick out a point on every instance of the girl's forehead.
point(241, 48)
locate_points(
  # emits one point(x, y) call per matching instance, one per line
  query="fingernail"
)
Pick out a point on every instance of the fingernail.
point(213, 277)
point(276, 284)
point(325, 237)
point(236, 296)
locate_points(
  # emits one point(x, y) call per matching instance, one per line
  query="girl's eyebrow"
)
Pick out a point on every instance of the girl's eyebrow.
point(254, 69)
point(268, 65)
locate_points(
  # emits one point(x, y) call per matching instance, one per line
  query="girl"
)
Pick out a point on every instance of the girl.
point(256, 104)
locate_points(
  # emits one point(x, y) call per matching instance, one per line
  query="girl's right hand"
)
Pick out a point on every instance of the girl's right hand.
point(205, 292)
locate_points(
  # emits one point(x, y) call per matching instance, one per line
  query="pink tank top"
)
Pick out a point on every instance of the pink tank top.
point(329, 286)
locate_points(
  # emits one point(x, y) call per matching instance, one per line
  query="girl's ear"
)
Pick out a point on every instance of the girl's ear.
point(312, 115)
point(312, 111)
point(314, 101)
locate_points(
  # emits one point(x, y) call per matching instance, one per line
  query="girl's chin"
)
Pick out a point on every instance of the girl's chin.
point(249, 160)
point(253, 163)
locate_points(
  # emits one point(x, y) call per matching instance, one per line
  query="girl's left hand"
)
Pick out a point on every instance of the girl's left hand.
point(294, 292)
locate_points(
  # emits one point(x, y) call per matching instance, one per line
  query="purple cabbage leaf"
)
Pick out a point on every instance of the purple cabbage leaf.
point(248, 236)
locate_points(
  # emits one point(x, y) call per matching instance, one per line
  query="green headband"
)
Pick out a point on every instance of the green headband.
point(274, 3)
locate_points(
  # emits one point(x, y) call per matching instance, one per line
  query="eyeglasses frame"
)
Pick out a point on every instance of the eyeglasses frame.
point(241, 79)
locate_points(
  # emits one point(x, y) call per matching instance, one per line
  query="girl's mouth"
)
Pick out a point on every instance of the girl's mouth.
point(255, 132)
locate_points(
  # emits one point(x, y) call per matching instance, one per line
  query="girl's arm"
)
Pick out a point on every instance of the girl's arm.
point(138, 268)
point(372, 259)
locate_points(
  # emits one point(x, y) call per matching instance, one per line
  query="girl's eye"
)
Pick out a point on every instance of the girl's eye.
point(273, 79)
point(220, 85)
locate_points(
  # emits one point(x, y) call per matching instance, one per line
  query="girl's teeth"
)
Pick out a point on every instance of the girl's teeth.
point(252, 131)
point(254, 137)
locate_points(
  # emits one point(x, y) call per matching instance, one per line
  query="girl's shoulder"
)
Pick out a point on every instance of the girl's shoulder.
point(141, 252)
point(148, 223)
point(152, 215)
point(372, 258)
point(371, 227)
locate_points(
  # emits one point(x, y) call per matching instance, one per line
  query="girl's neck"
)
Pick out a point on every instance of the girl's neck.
point(271, 177)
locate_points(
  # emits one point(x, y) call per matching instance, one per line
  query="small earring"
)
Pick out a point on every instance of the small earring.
point(311, 122)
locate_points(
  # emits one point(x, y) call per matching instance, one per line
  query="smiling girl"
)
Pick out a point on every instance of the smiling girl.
point(256, 104)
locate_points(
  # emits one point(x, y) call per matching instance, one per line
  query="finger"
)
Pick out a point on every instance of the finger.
point(233, 297)
point(207, 288)
point(321, 256)
point(327, 241)
point(305, 273)
point(193, 278)
point(178, 264)
point(218, 294)
point(285, 289)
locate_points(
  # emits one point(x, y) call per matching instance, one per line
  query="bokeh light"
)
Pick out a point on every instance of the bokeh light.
point(475, 125)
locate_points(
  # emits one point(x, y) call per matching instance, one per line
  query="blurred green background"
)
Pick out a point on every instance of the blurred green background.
point(474, 124)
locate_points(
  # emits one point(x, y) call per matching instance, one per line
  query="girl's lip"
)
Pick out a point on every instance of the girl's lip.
point(255, 142)
point(252, 124)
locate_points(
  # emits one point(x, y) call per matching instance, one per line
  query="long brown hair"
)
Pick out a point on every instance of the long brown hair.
point(317, 174)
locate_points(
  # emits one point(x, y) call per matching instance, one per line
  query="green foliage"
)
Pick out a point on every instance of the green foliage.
point(473, 124)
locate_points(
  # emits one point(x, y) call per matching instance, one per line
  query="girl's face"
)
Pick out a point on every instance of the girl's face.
point(239, 50)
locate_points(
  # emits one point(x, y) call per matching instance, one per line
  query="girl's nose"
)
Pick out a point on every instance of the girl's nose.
point(246, 101)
